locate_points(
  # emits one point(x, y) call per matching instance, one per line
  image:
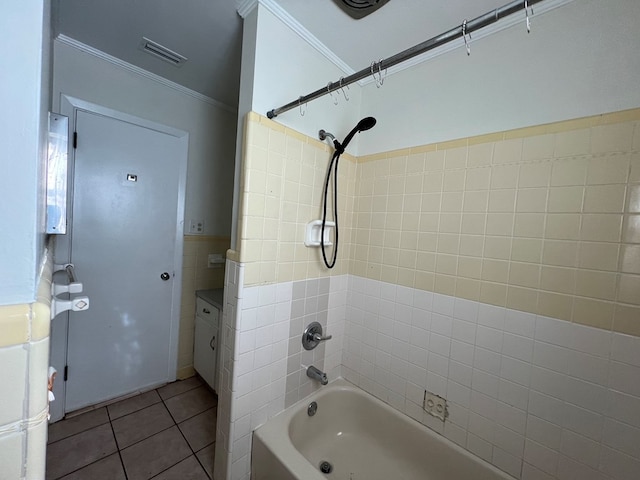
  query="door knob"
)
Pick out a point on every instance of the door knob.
point(165, 276)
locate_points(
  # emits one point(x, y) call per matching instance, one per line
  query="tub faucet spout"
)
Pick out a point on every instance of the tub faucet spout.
point(315, 374)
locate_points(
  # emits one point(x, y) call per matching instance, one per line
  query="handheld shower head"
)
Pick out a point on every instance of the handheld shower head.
point(364, 124)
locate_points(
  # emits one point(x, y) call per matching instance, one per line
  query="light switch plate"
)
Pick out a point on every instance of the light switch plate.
point(196, 226)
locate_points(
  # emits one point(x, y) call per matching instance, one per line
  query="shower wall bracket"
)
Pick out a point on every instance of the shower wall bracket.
point(313, 233)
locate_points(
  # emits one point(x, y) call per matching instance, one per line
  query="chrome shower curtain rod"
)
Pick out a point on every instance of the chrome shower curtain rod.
point(463, 30)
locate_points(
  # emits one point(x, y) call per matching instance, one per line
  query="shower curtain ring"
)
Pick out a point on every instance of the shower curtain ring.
point(526, 11)
point(302, 112)
point(342, 89)
point(380, 72)
point(464, 37)
point(335, 99)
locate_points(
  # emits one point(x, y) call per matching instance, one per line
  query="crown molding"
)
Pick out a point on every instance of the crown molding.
point(281, 14)
point(247, 6)
point(71, 42)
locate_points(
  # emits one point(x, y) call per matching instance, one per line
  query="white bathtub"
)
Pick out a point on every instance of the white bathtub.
point(362, 438)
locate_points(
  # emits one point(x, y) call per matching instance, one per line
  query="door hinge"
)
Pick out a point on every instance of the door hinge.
point(66, 372)
point(75, 139)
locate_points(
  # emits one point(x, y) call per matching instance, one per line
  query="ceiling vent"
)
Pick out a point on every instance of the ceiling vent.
point(360, 8)
point(161, 52)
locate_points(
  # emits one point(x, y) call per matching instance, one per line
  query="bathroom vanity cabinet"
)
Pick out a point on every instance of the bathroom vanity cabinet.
point(207, 324)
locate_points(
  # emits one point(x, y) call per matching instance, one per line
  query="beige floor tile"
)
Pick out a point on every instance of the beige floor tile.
point(187, 469)
point(109, 468)
point(142, 424)
point(154, 455)
point(133, 404)
point(200, 430)
point(191, 403)
point(207, 457)
point(179, 387)
point(80, 450)
point(70, 426)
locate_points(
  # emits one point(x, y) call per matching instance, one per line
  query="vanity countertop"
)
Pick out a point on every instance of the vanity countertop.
point(213, 296)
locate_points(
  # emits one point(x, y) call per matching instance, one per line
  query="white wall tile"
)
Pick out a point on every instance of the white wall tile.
point(543, 432)
point(625, 348)
point(584, 422)
point(10, 453)
point(580, 448)
point(541, 457)
point(625, 378)
point(622, 437)
point(619, 465)
point(588, 367)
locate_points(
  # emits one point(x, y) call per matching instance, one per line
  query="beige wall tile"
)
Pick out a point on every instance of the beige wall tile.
point(474, 223)
point(633, 199)
point(531, 200)
point(627, 320)
point(524, 274)
point(631, 229)
point(595, 284)
point(508, 151)
point(500, 224)
point(555, 305)
point(453, 181)
point(601, 228)
point(455, 158)
point(493, 293)
point(598, 256)
point(470, 267)
point(630, 259)
point(558, 279)
point(629, 289)
point(445, 284)
point(525, 299)
point(572, 143)
point(565, 199)
point(452, 202)
point(538, 147)
point(434, 161)
point(495, 270)
point(475, 201)
point(560, 253)
point(468, 289)
point(472, 245)
point(612, 138)
point(535, 175)
point(497, 247)
point(604, 199)
point(478, 178)
point(504, 176)
point(502, 200)
point(634, 172)
point(526, 250)
point(529, 225)
point(447, 264)
point(13, 377)
point(593, 313)
point(571, 171)
point(561, 226)
point(480, 154)
point(605, 170)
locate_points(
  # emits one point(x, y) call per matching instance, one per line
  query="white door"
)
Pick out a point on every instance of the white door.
point(127, 203)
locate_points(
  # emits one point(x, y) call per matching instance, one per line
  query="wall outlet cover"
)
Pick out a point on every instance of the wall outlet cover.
point(435, 405)
point(196, 226)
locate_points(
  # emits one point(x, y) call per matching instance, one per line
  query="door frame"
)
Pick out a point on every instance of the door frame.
point(62, 252)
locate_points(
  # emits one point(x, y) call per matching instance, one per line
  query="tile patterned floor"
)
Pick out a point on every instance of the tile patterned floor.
point(164, 434)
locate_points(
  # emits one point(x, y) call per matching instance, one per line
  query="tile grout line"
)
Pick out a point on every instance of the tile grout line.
point(124, 470)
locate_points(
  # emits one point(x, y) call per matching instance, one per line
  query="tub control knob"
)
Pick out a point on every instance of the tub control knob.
point(312, 336)
point(165, 276)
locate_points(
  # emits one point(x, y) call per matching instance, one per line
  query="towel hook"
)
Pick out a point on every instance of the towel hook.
point(342, 89)
point(464, 37)
point(526, 11)
point(335, 99)
point(302, 112)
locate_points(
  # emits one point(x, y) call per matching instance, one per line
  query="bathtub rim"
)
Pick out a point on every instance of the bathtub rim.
point(274, 434)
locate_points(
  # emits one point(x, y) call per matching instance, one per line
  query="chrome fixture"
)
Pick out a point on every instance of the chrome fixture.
point(315, 374)
point(312, 409)
point(312, 336)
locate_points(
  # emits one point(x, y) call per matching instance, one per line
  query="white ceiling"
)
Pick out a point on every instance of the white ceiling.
point(209, 32)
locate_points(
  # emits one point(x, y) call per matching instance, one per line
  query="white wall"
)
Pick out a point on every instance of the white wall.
point(579, 60)
point(212, 130)
point(24, 96)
